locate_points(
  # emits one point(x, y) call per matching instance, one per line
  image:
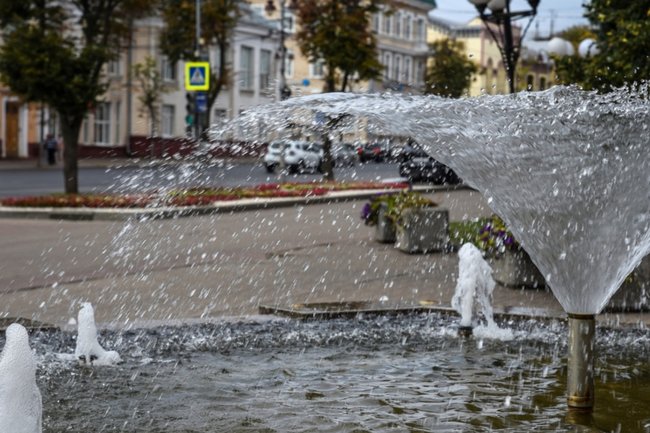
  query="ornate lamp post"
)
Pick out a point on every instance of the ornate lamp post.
point(285, 91)
point(498, 22)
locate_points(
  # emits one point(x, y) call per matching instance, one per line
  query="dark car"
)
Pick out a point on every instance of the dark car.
point(371, 152)
point(421, 167)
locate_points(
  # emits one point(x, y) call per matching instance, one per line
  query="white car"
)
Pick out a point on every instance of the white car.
point(299, 156)
point(273, 156)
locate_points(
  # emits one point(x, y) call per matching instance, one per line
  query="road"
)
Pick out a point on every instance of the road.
point(133, 178)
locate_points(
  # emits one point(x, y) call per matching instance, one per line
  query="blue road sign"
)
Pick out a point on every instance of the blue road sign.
point(201, 102)
point(197, 76)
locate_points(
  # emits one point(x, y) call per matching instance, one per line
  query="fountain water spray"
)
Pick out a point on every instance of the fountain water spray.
point(20, 399)
point(88, 350)
point(567, 170)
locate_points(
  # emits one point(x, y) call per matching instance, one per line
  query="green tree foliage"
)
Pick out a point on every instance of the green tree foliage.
point(338, 32)
point(54, 52)
point(622, 30)
point(218, 21)
point(450, 71)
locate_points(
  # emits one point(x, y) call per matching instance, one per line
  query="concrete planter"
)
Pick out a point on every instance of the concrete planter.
point(385, 228)
point(516, 269)
point(634, 294)
point(423, 229)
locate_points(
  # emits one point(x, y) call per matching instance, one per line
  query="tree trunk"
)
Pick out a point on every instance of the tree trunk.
point(328, 169)
point(345, 82)
point(70, 128)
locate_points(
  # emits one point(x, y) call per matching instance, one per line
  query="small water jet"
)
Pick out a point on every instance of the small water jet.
point(20, 399)
point(473, 293)
point(88, 350)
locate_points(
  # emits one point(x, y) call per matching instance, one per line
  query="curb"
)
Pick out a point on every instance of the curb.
point(93, 214)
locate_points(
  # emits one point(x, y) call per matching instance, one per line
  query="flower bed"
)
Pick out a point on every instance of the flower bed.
point(193, 196)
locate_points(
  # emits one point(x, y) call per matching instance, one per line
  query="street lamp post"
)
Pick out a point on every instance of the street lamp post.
point(285, 91)
point(502, 17)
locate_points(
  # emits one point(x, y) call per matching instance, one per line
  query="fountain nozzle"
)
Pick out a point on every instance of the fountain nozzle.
point(465, 331)
point(580, 378)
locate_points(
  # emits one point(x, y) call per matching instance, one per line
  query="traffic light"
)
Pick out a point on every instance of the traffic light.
point(190, 107)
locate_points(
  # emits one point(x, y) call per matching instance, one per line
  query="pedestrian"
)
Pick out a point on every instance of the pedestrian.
point(51, 146)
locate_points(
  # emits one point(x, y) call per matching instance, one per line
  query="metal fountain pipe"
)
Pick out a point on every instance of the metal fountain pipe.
point(580, 379)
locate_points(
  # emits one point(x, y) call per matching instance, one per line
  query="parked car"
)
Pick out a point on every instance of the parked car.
point(344, 155)
point(371, 152)
point(299, 156)
point(426, 168)
point(273, 156)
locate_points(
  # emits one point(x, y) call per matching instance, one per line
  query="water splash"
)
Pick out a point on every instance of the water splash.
point(567, 170)
point(88, 350)
point(473, 294)
point(21, 407)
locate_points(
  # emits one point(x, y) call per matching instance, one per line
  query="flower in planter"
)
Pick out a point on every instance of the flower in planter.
point(490, 235)
point(394, 204)
point(495, 238)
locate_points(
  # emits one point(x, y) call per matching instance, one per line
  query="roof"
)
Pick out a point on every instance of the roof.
point(452, 27)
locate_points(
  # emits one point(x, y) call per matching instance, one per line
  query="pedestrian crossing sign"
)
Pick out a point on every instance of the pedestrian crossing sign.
point(197, 76)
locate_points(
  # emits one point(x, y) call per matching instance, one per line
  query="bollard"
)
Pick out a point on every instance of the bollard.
point(580, 362)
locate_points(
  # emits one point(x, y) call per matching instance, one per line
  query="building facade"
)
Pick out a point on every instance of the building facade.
point(118, 125)
point(534, 69)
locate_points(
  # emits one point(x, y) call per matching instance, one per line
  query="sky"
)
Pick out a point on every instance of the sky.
point(561, 13)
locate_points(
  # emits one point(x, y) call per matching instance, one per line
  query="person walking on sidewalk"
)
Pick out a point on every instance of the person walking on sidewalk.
point(51, 146)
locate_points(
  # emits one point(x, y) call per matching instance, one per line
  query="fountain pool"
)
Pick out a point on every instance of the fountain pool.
point(373, 374)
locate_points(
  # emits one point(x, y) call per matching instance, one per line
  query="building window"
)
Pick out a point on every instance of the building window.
point(317, 70)
point(419, 72)
point(387, 64)
point(168, 69)
point(246, 68)
point(376, 19)
point(289, 22)
point(398, 24)
point(288, 64)
point(114, 67)
point(118, 121)
point(397, 71)
point(420, 30)
point(542, 83)
point(407, 27)
point(103, 123)
point(167, 120)
point(407, 69)
point(529, 82)
point(386, 25)
point(265, 69)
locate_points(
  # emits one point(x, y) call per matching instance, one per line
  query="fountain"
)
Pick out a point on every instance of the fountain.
point(564, 152)
point(20, 398)
point(567, 170)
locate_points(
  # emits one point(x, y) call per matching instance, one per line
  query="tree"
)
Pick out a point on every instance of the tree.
point(450, 71)
point(338, 33)
point(54, 52)
point(218, 21)
point(622, 31)
point(152, 86)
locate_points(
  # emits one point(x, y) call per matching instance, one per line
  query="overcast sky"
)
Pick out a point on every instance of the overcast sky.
point(563, 13)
